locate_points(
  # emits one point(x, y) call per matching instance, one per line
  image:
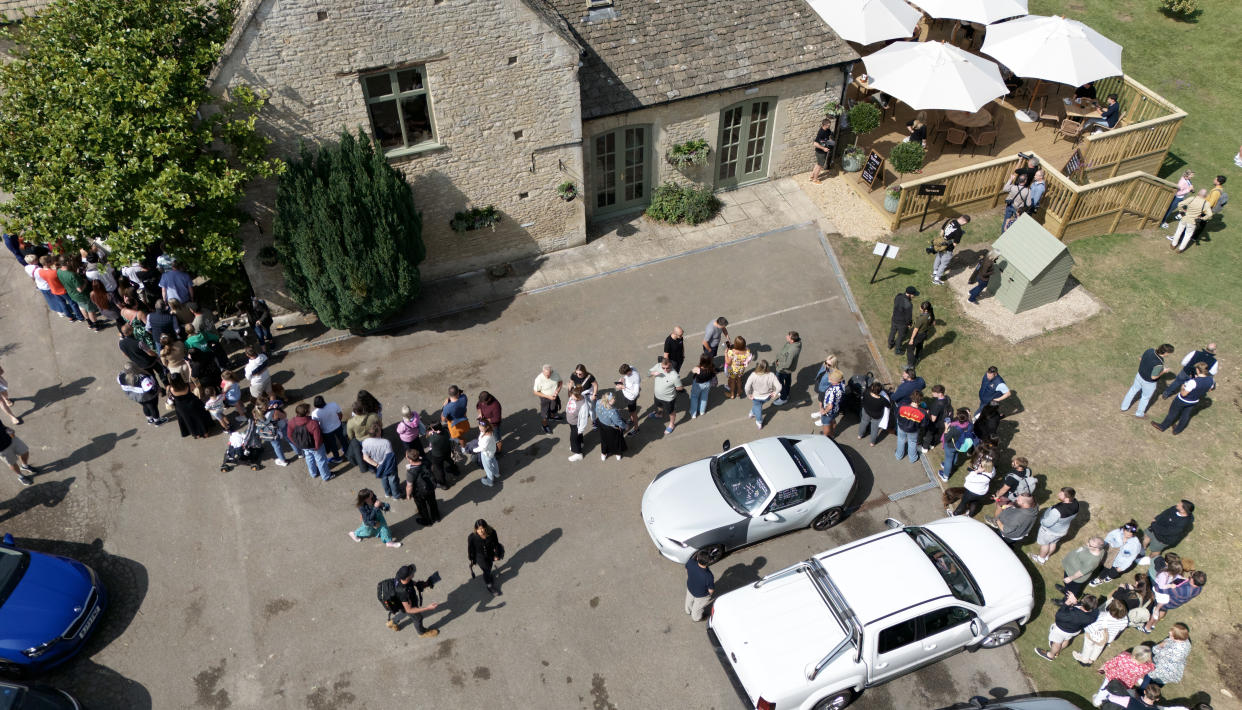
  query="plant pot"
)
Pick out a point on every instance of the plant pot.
point(852, 162)
point(569, 197)
point(891, 201)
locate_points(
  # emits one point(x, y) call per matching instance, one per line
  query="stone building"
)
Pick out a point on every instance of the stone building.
point(497, 102)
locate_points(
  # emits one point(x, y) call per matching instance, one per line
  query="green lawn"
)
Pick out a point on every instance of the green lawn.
point(1070, 382)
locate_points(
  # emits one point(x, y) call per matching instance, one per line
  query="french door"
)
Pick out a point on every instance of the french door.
point(745, 142)
point(621, 167)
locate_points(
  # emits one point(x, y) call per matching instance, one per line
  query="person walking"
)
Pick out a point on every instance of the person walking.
point(579, 417)
point(141, 387)
point(483, 549)
point(1187, 400)
point(1055, 524)
point(1150, 369)
point(331, 422)
point(453, 417)
point(410, 596)
point(675, 348)
point(830, 406)
point(943, 244)
point(871, 418)
point(1191, 209)
point(665, 386)
point(786, 363)
point(910, 418)
point(489, 411)
point(421, 487)
point(581, 377)
point(700, 585)
point(192, 417)
point(761, 386)
point(372, 510)
point(1205, 355)
point(1080, 565)
point(957, 440)
point(702, 377)
point(924, 328)
point(16, 454)
point(1124, 548)
point(1108, 625)
point(611, 427)
point(440, 456)
point(1070, 620)
point(1184, 188)
point(901, 319)
point(410, 429)
point(715, 331)
point(992, 390)
point(981, 276)
point(630, 386)
point(377, 452)
point(1170, 656)
point(1168, 529)
point(737, 359)
point(306, 436)
point(547, 389)
point(486, 450)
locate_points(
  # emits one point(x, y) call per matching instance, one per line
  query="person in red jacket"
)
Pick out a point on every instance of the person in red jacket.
point(307, 437)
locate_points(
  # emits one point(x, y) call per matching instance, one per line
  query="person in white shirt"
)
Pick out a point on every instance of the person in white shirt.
point(256, 372)
point(32, 270)
point(1103, 631)
point(330, 418)
point(1207, 356)
point(630, 384)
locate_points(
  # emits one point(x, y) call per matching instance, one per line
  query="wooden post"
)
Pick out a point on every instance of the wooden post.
point(1069, 213)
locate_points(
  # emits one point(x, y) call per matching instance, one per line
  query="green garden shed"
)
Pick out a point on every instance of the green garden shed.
point(1033, 265)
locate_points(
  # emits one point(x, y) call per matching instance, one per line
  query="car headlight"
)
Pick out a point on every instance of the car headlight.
point(36, 651)
point(677, 543)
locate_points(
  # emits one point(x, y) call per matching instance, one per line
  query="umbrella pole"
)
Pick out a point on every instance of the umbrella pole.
point(1034, 92)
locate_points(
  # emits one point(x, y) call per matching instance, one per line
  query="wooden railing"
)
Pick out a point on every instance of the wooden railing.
point(1127, 202)
point(1141, 141)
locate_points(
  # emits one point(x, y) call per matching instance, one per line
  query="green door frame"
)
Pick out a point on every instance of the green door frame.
point(745, 142)
point(621, 170)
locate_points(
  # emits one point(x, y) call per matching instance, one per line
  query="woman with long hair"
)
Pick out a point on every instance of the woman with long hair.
point(761, 386)
point(483, 549)
point(372, 510)
point(830, 407)
point(701, 378)
point(977, 484)
point(490, 412)
point(487, 454)
point(584, 379)
point(611, 427)
point(191, 416)
point(737, 359)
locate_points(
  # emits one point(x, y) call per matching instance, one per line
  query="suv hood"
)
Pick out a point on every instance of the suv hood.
point(684, 502)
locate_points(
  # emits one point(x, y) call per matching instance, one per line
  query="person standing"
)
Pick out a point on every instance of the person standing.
point(331, 421)
point(78, 289)
point(32, 270)
point(1070, 620)
point(958, 439)
point(440, 456)
point(902, 318)
point(675, 348)
point(487, 454)
point(48, 273)
point(1187, 400)
point(976, 486)
point(1016, 522)
point(1170, 656)
point(1216, 200)
point(713, 333)
point(666, 384)
point(1150, 369)
point(372, 510)
point(761, 386)
point(377, 452)
point(547, 389)
point(1055, 524)
point(1125, 548)
point(305, 435)
point(1107, 626)
point(1128, 667)
point(453, 417)
point(1168, 529)
point(1179, 594)
point(992, 389)
point(256, 372)
point(1017, 198)
point(910, 418)
point(1080, 565)
point(924, 328)
point(786, 363)
point(160, 322)
point(737, 358)
point(1184, 188)
point(939, 412)
point(490, 412)
point(140, 387)
point(409, 595)
point(1019, 481)
point(356, 427)
point(176, 283)
point(830, 406)
point(421, 487)
point(611, 427)
point(823, 149)
point(702, 377)
point(630, 385)
point(16, 454)
point(1038, 188)
point(191, 416)
point(584, 379)
point(410, 429)
point(821, 375)
point(943, 244)
point(700, 585)
point(1206, 355)
point(483, 549)
point(981, 276)
point(579, 418)
point(875, 405)
point(1191, 210)
point(910, 382)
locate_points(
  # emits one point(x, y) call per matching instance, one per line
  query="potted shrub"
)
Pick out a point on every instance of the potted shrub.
point(892, 198)
point(475, 218)
point(268, 256)
point(684, 155)
point(567, 190)
point(864, 117)
point(907, 157)
point(832, 108)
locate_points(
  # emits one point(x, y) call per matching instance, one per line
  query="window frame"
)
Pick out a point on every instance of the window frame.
point(397, 97)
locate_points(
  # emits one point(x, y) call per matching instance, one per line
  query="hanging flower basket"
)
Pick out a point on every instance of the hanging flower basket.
point(475, 218)
point(684, 155)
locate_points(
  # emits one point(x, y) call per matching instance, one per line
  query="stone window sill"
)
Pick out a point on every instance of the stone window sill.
point(415, 150)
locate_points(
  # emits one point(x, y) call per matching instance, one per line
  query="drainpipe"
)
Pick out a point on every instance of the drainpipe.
point(836, 129)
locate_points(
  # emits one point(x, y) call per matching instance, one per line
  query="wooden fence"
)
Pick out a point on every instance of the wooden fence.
point(1127, 202)
point(1141, 141)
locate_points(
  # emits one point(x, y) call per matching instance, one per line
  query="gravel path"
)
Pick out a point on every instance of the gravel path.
point(844, 207)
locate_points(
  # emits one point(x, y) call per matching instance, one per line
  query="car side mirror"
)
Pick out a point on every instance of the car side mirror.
point(772, 518)
point(978, 702)
point(976, 628)
point(893, 524)
point(725, 445)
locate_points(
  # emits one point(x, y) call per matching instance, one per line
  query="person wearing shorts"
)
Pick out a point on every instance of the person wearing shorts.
point(1074, 616)
point(17, 455)
point(547, 388)
point(630, 385)
point(823, 149)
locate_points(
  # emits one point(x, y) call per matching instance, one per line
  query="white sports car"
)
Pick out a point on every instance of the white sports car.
point(747, 494)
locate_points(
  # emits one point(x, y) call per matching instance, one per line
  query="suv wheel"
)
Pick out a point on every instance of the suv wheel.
point(827, 519)
point(836, 702)
point(714, 553)
point(1000, 636)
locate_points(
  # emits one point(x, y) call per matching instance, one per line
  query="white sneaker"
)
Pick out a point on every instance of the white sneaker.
point(354, 536)
point(617, 457)
point(750, 415)
point(1144, 561)
point(1164, 225)
point(1038, 559)
point(758, 425)
point(281, 462)
point(576, 457)
point(393, 544)
point(603, 457)
point(692, 416)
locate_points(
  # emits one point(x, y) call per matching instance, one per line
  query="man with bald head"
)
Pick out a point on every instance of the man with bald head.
point(675, 348)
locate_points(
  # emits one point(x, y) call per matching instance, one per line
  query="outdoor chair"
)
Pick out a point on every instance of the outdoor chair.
point(957, 137)
point(985, 138)
point(1069, 130)
point(1050, 116)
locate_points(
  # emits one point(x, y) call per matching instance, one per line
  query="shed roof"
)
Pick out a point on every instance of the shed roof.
point(1030, 248)
point(645, 52)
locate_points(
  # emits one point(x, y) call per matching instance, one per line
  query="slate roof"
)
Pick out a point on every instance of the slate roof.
point(656, 51)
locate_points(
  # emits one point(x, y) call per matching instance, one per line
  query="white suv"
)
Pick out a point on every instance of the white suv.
point(817, 634)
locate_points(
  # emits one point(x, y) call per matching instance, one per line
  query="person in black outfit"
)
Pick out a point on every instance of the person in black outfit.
point(142, 358)
point(440, 456)
point(1076, 615)
point(903, 315)
point(483, 548)
point(1169, 528)
point(675, 348)
point(420, 486)
point(409, 593)
point(823, 149)
point(939, 412)
point(1086, 91)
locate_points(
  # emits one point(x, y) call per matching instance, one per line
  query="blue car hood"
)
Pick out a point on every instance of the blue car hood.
point(48, 598)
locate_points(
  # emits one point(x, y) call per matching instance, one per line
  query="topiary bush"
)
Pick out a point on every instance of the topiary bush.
point(678, 204)
point(864, 118)
point(906, 157)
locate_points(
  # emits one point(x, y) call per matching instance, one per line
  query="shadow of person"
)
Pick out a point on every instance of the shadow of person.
point(98, 446)
point(740, 575)
point(474, 594)
point(48, 494)
point(55, 393)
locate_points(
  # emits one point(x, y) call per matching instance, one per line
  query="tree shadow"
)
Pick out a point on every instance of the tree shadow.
point(48, 494)
point(473, 593)
point(98, 446)
point(55, 393)
point(739, 575)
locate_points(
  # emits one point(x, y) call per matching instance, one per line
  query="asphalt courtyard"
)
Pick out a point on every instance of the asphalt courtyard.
point(242, 589)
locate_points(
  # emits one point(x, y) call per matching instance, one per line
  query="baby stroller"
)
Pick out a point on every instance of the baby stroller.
point(245, 447)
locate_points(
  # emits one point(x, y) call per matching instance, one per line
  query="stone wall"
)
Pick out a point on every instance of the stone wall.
point(798, 112)
point(504, 94)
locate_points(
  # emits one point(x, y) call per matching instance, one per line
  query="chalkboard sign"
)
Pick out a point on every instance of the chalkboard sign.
point(1074, 164)
point(873, 169)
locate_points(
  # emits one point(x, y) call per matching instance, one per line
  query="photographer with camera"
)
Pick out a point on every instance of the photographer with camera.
point(1017, 199)
point(944, 243)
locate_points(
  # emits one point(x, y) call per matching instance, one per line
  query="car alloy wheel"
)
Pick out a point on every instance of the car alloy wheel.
point(836, 702)
point(999, 636)
point(829, 518)
point(714, 553)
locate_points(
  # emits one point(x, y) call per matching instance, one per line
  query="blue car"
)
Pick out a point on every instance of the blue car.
point(48, 607)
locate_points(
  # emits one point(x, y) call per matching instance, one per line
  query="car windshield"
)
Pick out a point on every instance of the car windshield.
point(947, 564)
point(12, 565)
point(739, 481)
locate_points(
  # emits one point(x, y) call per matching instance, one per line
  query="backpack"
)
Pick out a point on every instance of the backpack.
point(302, 438)
point(1222, 200)
point(386, 591)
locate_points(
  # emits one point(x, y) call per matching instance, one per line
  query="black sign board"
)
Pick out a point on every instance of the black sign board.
point(926, 190)
point(873, 169)
point(1074, 164)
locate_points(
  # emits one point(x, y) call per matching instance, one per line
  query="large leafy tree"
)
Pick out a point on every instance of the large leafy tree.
point(348, 234)
point(107, 130)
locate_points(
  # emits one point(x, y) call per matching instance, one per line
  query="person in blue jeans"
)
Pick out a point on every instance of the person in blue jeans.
point(955, 434)
point(377, 451)
point(983, 274)
point(701, 379)
point(307, 437)
point(909, 420)
point(273, 410)
point(1151, 368)
point(992, 389)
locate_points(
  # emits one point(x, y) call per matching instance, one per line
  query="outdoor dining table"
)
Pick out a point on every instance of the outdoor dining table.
point(1077, 112)
point(966, 119)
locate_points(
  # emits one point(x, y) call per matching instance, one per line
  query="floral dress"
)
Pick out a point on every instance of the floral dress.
point(1170, 657)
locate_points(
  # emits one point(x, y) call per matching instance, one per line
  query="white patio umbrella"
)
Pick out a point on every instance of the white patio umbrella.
point(867, 21)
point(935, 75)
point(982, 11)
point(1053, 49)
